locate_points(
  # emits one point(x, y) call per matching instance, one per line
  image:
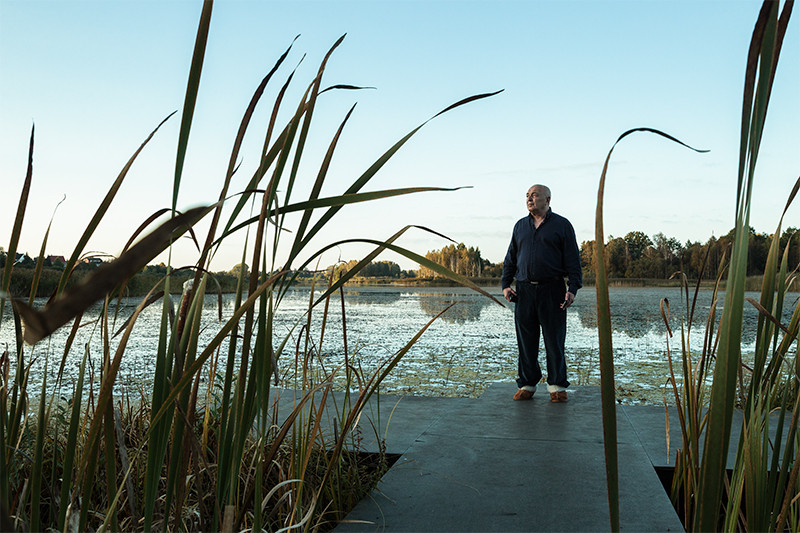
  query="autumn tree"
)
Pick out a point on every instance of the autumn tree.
point(616, 257)
point(381, 269)
point(669, 251)
point(458, 258)
point(375, 269)
point(237, 269)
point(587, 259)
point(791, 238)
point(637, 242)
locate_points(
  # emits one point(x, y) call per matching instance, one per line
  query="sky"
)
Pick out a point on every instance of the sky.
point(95, 78)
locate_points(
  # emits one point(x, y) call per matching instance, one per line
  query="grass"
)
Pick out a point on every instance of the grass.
point(355, 475)
point(207, 446)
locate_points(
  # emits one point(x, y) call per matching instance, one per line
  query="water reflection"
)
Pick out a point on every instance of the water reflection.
point(371, 296)
point(636, 312)
point(587, 312)
point(463, 310)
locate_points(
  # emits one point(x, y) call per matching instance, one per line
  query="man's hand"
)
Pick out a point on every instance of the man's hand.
point(509, 293)
point(568, 299)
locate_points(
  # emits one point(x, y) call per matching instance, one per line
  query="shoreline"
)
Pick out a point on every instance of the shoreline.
point(753, 283)
point(141, 283)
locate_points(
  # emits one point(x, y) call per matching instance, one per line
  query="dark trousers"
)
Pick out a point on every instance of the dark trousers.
point(538, 308)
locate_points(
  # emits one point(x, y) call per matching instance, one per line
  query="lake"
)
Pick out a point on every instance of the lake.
point(471, 345)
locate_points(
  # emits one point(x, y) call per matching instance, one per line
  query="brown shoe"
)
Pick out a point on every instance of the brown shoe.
point(523, 394)
point(558, 397)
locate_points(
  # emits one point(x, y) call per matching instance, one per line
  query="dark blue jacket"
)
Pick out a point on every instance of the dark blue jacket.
point(544, 254)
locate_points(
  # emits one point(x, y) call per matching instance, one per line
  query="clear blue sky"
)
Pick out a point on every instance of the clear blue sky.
point(97, 77)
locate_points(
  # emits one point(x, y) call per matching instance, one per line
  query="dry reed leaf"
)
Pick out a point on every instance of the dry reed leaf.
point(40, 324)
point(769, 316)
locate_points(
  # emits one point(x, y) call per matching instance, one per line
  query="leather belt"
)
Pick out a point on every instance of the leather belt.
point(544, 282)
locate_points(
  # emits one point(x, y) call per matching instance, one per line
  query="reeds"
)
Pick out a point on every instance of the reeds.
point(761, 491)
point(209, 447)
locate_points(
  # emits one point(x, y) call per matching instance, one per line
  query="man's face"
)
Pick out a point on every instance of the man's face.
point(537, 201)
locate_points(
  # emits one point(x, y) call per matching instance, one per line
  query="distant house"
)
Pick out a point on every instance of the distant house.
point(96, 261)
point(56, 259)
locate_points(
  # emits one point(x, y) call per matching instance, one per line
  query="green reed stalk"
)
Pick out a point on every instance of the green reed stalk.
point(159, 439)
point(263, 371)
point(39, 265)
point(100, 213)
point(157, 446)
point(109, 438)
point(234, 434)
point(12, 413)
point(38, 457)
point(761, 64)
point(759, 488)
point(16, 409)
point(192, 88)
point(767, 387)
point(178, 463)
point(70, 450)
point(378, 164)
point(689, 400)
point(607, 392)
point(16, 231)
point(225, 431)
point(607, 389)
point(89, 461)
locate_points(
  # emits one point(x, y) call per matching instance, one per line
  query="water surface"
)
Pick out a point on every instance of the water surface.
point(472, 344)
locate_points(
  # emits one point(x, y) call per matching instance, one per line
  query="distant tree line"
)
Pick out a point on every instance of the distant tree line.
point(638, 256)
point(139, 284)
point(456, 257)
point(374, 269)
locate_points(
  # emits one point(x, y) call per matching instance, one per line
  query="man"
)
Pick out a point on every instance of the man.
point(542, 252)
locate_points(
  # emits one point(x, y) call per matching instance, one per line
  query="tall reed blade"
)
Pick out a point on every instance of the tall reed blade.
point(40, 261)
point(759, 75)
point(38, 458)
point(71, 444)
point(101, 211)
point(11, 253)
point(12, 421)
point(245, 122)
point(607, 389)
point(381, 161)
point(387, 245)
point(190, 100)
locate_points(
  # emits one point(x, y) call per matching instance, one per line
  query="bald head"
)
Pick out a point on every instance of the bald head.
point(544, 189)
point(538, 200)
